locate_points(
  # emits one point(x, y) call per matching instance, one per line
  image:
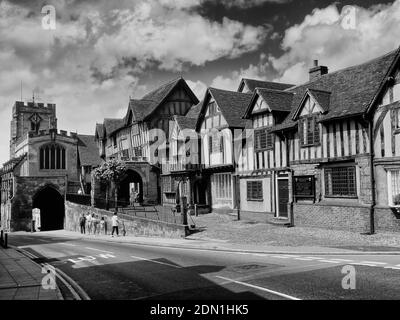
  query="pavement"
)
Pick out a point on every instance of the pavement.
point(21, 278)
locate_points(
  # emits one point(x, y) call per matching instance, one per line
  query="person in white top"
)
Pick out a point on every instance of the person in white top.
point(89, 223)
point(114, 223)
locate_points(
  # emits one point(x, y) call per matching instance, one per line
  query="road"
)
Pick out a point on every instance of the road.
point(107, 270)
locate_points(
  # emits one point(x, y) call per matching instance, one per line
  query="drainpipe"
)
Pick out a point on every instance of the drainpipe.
point(290, 204)
point(372, 172)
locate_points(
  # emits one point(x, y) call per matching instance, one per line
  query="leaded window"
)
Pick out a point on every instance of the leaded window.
point(309, 131)
point(340, 182)
point(254, 190)
point(263, 139)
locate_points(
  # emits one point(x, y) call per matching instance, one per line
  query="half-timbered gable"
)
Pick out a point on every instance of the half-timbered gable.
point(219, 122)
point(329, 131)
point(141, 137)
point(264, 157)
point(386, 149)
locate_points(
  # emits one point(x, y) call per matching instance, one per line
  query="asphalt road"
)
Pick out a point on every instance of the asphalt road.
point(107, 270)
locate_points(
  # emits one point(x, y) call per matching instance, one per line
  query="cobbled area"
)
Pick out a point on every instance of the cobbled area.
point(227, 228)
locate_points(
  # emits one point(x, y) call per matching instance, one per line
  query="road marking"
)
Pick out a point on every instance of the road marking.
point(280, 257)
point(342, 260)
point(314, 258)
point(374, 262)
point(99, 250)
point(304, 259)
point(159, 262)
point(363, 264)
point(329, 261)
point(68, 244)
point(259, 288)
point(260, 255)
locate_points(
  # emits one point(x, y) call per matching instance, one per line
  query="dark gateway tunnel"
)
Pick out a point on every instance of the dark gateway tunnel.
point(130, 180)
point(51, 205)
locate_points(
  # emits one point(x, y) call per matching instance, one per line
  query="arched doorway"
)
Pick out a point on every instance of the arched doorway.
point(51, 205)
point(132, 181)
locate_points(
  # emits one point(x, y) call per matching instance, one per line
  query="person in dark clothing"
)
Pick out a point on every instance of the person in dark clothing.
point(82, 223)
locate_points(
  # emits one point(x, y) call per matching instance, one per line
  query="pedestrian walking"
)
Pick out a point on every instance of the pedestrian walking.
point(102, 226)
point(114, 222)
point(82, 223)
point(105, 225)
point(89, 223)
point(95, 224)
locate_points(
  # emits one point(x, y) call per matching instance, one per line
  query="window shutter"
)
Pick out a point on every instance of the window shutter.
point(210, 144)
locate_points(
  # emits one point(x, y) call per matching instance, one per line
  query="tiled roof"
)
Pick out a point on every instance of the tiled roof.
point(233, 105)
point(352, 89)
point(194, 111)
point(139, 108)
point(323, 98)
point(88, 151)
point(144, 107)
point(277, 100)
point(185, 122)
point(252, 84)
point(112, 125)
point(100, 130)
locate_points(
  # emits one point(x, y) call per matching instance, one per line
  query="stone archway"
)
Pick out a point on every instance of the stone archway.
point(51, 205)
point(131, 180)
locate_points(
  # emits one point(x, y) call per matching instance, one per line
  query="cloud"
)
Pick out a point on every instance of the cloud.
point(244, 4)
point(198, 87)
point(321, 36)
point(152, 34)
point(99, 53)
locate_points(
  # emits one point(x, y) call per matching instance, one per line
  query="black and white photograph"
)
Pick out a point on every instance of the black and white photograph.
point(199, 158)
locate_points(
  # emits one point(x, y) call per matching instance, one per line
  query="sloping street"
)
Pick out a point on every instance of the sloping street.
point(107, 269)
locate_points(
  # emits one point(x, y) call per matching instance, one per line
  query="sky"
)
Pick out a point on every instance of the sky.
point(103, 52)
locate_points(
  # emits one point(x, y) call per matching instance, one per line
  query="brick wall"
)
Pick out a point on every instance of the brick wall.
point(385, 220)
point(134, 226)
point(340, 217)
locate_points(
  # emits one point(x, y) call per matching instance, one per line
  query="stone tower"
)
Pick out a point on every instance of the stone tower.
point(28, 117)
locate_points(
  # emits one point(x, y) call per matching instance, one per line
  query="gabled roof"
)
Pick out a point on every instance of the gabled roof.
point(278, 101)
point(88, 151)
point(112, 125)
point(100, 130)
point(139, 109)
point(232, 105)
point(144, 107)
point(252, 84)
point(322, 98)
point(352, 89)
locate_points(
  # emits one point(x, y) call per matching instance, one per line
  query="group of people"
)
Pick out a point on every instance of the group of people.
point(93, 224)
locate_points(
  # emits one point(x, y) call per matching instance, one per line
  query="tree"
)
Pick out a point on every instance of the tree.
point(109, 172)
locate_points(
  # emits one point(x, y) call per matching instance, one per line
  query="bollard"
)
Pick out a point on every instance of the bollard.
point(1, 236)
point(5, 240)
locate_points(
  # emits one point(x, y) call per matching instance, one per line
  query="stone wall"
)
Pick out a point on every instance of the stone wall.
point(134, 226)
point(25, 190)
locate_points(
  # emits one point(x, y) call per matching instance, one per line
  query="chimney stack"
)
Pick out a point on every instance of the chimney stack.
point(317, 71)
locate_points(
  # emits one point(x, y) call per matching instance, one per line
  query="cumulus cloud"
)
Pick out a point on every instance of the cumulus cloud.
point(98, 54)
point(321, 36)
